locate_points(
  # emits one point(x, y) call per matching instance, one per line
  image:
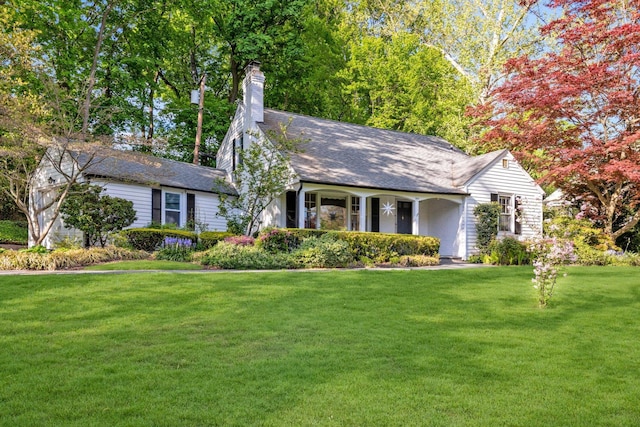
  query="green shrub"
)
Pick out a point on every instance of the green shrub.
point(236, 257)
point(377, 247)
point(509, 251)
point(277, 240)
point(151, 239)
point(487, 216)
point(39, 249)
point(208, 239)
point(381, 247)
point(323, 252)
point(591, 245)
point(13, 232)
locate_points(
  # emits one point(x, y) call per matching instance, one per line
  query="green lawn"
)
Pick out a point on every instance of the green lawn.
point(337, 348)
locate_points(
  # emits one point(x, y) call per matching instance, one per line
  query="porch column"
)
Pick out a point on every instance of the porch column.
point(363, 214)
point(301, 211)
point(415, 214)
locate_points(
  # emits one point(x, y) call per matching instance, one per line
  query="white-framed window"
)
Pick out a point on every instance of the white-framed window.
point(355, 213)
point(172, 208)
point(505, 222)
point(310, 210)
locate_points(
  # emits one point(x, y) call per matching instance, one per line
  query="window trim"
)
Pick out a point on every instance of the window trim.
point(165, 209)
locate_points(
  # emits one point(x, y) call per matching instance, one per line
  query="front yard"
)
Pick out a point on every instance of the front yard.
point(456, 347)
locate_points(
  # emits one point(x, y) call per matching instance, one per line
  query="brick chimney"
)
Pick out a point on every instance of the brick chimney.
point(253, 87)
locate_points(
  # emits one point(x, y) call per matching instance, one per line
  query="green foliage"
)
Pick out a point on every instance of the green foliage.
point(97, 216)
point(208, 239)
point(261, 176)
point(381, 247)
point(398, 83)
point(13, 232)
point(151, 239)
point(323, 252)
point(377, 247)
point(239, 257)
point(38, 258)
point(508, 251)
point(277, 240)
point(487, 216)
point(592, 245)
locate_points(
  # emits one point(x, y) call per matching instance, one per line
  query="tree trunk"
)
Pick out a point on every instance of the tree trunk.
point(92, 75)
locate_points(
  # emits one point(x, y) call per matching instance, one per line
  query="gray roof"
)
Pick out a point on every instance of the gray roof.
point(361, 156)
point(140, 168)
point(474, 165)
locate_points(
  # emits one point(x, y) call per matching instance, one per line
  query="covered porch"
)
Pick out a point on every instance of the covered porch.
point(330, 207)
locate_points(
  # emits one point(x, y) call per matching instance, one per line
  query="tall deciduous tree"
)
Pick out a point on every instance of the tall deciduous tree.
point(475, 36)
point(397, 83)
point(575, 113)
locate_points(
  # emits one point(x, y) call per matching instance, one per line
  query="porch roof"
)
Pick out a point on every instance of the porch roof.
point(360, 156)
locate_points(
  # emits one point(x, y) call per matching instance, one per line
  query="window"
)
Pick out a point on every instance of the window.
point(240, 150)
point(172, 208)
point(310, 212)
point(333, 213)
point(506, 213)
point(505, 163)
point(355, 213)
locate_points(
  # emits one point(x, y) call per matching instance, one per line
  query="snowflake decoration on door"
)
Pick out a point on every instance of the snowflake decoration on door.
point(388, 209)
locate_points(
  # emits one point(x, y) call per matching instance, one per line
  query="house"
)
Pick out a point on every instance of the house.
point(162, 191)
point(361, 178)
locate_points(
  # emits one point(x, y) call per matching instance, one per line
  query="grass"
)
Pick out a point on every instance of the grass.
point(389, 348)
point(144, 265)
point(13, 232)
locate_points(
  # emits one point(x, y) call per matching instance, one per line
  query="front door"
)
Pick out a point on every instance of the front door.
point(405, 223)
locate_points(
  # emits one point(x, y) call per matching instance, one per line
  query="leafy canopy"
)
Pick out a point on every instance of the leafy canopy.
point(575, 113)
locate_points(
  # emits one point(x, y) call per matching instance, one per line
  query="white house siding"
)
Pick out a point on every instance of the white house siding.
point(443, 221)
point(138, 194)
point(224, 157)
point(206, 213)
point(512, 180)
point(42, 192)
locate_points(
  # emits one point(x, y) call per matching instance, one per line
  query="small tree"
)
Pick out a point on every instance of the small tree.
point(262, 175)
point(94, 214)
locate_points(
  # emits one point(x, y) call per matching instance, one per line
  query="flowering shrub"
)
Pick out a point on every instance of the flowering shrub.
point(176, 249)
point(277, 240)
point(549, 254)
point(240, 240)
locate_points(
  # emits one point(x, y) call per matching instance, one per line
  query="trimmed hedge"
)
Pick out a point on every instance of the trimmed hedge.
point(208, 239)
point(13, 232)
point(378, 247)
point(150, 239)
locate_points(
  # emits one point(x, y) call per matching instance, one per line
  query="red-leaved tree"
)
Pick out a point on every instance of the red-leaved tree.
point(574, 113)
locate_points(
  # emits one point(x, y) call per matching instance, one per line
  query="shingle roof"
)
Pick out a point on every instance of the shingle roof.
point(360, 156)
point(131, 166)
